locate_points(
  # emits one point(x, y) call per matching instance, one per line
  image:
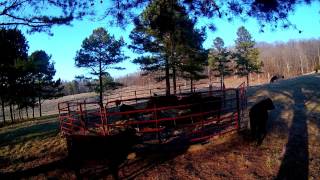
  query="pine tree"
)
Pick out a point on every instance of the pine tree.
point(99, 52)
point(14, 49)
point(219, 60)
point(43, 83)
point(247, 56)
point(165, 36)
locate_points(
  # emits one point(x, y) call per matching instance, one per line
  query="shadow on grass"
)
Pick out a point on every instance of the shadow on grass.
point(62, 163)
point(147, 158)
point(24, 134)
point(295, 162)
point(297, 93)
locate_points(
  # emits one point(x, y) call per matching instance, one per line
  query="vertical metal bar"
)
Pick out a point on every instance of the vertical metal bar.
point(60, 117)
point(102, 120)
point(82, 120)
point(85, 110)
point(106, 119)
point(238, 109)
point(202, 119)
point(156, 118)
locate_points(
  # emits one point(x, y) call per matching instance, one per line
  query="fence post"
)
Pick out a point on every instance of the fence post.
point(59, 109)
point(238, 108)
point(85, 109)
point(60, 123)
point(135, 95)
point(105, 120)
point(82, 119)
point(157, 125)
point(68, 109)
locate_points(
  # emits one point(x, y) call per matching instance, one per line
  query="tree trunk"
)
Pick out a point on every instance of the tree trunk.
point(288, 69)
point(3, 113)
point(209, 74)
point(174, 79)
point(27, 112)
point(40, 110)
point(100, 85)
point(19, 112)
point(11, 114)
point(301, 66)
point(14, 113)
point(221, 82)
point(33, 112)
point(172, 58)
point(191, 85)
point(167, 77)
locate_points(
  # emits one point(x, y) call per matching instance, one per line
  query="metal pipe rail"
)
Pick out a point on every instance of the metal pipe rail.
point(76, 118)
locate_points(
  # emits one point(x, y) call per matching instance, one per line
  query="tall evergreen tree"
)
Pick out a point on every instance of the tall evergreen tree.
point(162, 33)
point(99, 52)
point(43, 72)
point(247, 56)
point(219, 60)
point(14, 48)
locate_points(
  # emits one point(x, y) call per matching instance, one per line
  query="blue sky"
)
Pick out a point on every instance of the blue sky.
point(67, 39)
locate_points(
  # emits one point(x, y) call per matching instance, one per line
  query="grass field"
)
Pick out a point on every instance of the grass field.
point(291, 150)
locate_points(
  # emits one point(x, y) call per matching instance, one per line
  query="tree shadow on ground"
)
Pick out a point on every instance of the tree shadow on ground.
point(19, 135)
point(291, 119)
point(146, 158)
point(295, 162)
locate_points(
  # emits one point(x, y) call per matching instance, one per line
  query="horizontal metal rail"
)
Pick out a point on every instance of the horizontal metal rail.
point(75, 117)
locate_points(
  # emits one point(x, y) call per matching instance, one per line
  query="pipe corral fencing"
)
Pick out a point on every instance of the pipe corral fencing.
point(214, 113)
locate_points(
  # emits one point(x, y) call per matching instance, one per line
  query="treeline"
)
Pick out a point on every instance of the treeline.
point(290, 58)
point(25, 81)
point(82, 84)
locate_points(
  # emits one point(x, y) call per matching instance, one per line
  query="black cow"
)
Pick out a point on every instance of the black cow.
point(276, 77)
point(162, 101)
point(113, 149)
point(200, 104)
point(212, 104)
point(125, 108)
point(258, 119)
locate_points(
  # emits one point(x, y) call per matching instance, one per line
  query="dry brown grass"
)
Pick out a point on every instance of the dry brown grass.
point(293, 142)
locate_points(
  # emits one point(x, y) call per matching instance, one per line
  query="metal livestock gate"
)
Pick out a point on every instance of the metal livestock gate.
point(217, 112)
